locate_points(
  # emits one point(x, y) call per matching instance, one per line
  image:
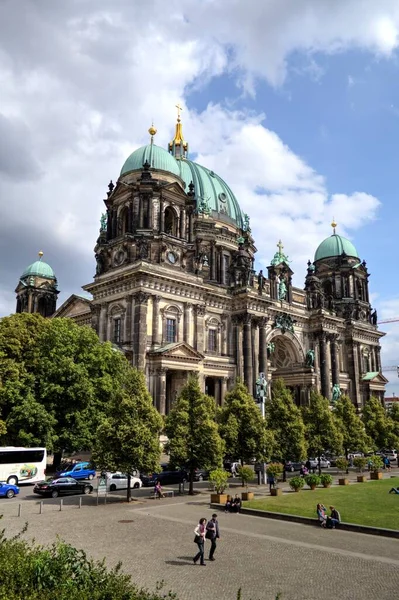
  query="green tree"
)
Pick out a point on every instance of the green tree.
point(351, 426)
point(193, 437)
point(127, 438)
point(321, 427)
point(243, 428)
point(56, 380)
point(379, 425)
point(284, 419)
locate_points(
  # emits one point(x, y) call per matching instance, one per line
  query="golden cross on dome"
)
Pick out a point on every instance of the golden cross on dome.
point(179, 108)
point(280, 246)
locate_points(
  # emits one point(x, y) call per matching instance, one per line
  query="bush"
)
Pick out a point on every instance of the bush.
point(219, 478)
point(297, 483)
point(275, 469)
point(360, 463)
point(326, 479)
point(375, 462)
point(246, 474)
point(342, 464)
point(31, 572)
point(312, 480)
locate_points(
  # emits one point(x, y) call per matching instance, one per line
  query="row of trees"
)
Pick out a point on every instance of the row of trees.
point(62, 388)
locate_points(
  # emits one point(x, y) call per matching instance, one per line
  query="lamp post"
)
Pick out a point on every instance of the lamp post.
point(261, 395)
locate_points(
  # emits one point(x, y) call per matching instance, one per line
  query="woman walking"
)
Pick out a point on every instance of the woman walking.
point(200, 540)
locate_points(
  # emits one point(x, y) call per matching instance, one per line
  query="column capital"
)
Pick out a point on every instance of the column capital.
point(141, 297)
point(262, 322)
point(200, 310)
point(156, 299)
point(162, 370)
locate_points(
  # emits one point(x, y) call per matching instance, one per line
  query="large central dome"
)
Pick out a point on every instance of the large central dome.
point(208, 186)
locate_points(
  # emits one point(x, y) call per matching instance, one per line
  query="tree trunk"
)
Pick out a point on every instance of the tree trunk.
point(319, 464)
point(191, 488)
point(129, 489)
point(57, 458)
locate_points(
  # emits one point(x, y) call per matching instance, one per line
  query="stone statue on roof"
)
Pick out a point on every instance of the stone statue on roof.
point(103, 222)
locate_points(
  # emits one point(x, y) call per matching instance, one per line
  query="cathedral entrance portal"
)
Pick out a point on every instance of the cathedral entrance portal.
point(288, 363)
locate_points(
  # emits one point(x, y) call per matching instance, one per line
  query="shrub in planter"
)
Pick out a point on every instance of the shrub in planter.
point(360, 463)
point(297, 483)
point(342, 464)
point(246, 474)
point(312, 481)
point(218, 478)
point(275, 469)
point(326, 480)
point(376, 464)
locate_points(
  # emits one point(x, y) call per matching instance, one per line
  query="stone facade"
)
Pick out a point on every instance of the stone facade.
point(177, 292)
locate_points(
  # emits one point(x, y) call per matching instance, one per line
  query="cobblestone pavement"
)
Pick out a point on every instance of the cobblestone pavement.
point(154, 540)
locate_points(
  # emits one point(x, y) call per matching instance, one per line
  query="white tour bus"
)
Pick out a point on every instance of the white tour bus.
point(22, 465)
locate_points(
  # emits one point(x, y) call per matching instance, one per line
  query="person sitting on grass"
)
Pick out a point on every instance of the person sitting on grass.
point(321, 514)
point(334, 519)
point(394, 491)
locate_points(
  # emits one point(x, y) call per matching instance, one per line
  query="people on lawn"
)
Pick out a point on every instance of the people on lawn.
point(328, 521)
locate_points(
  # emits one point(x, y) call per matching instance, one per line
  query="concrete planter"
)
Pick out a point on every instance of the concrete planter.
point(343, 481)
point(277, 492)
point(361, 479)
point(247, 495)
point(218, 498)
point(313, 486)
point(326, 485)
point(375, 475)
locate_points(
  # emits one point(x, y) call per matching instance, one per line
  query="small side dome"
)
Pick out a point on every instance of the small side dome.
point(335, 246)
point(39, 269)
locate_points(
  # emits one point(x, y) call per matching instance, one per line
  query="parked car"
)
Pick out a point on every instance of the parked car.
point(201, 475)
point(79, 471)
point(291, 466)
point(62, 486)
point(8, 490)
point(324, 463)
point(231, 466)
point(165, 477)
point(119, 481)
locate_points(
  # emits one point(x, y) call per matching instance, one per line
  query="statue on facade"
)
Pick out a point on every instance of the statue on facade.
point(261, 388)
point(204, 207)
point(103, 222)
point(99, 264)
point(336, 393)
point(285, 323)
point(246, 226)
point(310, 358)
point(261, 282)
point(282, 289)
point(374, 317)
point(110, 188)
point(271, 346)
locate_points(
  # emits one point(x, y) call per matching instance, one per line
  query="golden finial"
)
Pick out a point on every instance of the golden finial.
point(179, 108)
point(152, 131)
point(41, 254)
point(333, 225)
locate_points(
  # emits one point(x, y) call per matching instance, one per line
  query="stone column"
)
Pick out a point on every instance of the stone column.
point(161, 217)
point(140, 329)
point(224, 334)
point(223, 390)
point(334, 359)
point(247, 351)
point(199, 328)
point(237, 346)
point(161, 391)
point(127, 336)
point(191, 227)
point(378, 358)
point(103, 322)
point(262, 346)
point(156, 337)
point(182, 224)
point(213, 262)
point(187, 322)
point(218, 400)
point(180, 332)
point(325, 383)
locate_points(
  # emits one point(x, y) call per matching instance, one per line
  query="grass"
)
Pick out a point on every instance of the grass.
point(362, 503)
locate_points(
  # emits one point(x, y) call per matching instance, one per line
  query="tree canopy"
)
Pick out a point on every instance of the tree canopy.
point(57, 380)
point(321, 427)
point(379, 424)
point(127, 438)
point(354, 436)
point(284, 419)
point(243, 428)
point(193, 437)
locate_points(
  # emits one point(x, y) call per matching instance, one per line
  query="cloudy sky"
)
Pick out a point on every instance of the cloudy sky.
point(294, 102)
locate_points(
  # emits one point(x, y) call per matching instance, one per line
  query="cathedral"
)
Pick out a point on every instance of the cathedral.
point(176, 291)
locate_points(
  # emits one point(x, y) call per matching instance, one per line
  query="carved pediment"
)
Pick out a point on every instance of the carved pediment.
point(178, 350)
point(375, 377)
point(75, 305)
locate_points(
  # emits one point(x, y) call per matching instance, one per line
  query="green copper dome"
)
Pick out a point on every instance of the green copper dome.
point(209, 188)
point(335, 245)
point(40, 269)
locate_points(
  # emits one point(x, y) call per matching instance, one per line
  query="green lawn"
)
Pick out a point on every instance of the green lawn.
point(363, 503)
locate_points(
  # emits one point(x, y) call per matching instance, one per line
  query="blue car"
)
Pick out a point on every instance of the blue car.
point(79, 471)
point(7, 490)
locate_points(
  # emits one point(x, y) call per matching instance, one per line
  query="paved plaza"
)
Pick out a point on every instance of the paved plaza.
point(154, 540)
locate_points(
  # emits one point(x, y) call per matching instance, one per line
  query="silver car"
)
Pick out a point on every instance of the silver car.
point(118, 481)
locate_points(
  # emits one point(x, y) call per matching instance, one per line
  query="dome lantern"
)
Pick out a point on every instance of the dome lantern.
point(178, 147)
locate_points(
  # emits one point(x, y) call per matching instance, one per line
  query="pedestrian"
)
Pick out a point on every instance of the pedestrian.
point(158, 490)
point(271, 481)
point(200, 541)
point(212, 534)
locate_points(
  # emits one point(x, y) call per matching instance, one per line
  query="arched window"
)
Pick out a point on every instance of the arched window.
point(170, 221)
point(124, 220)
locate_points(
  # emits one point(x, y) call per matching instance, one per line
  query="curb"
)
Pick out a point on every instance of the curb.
point(253, 512)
